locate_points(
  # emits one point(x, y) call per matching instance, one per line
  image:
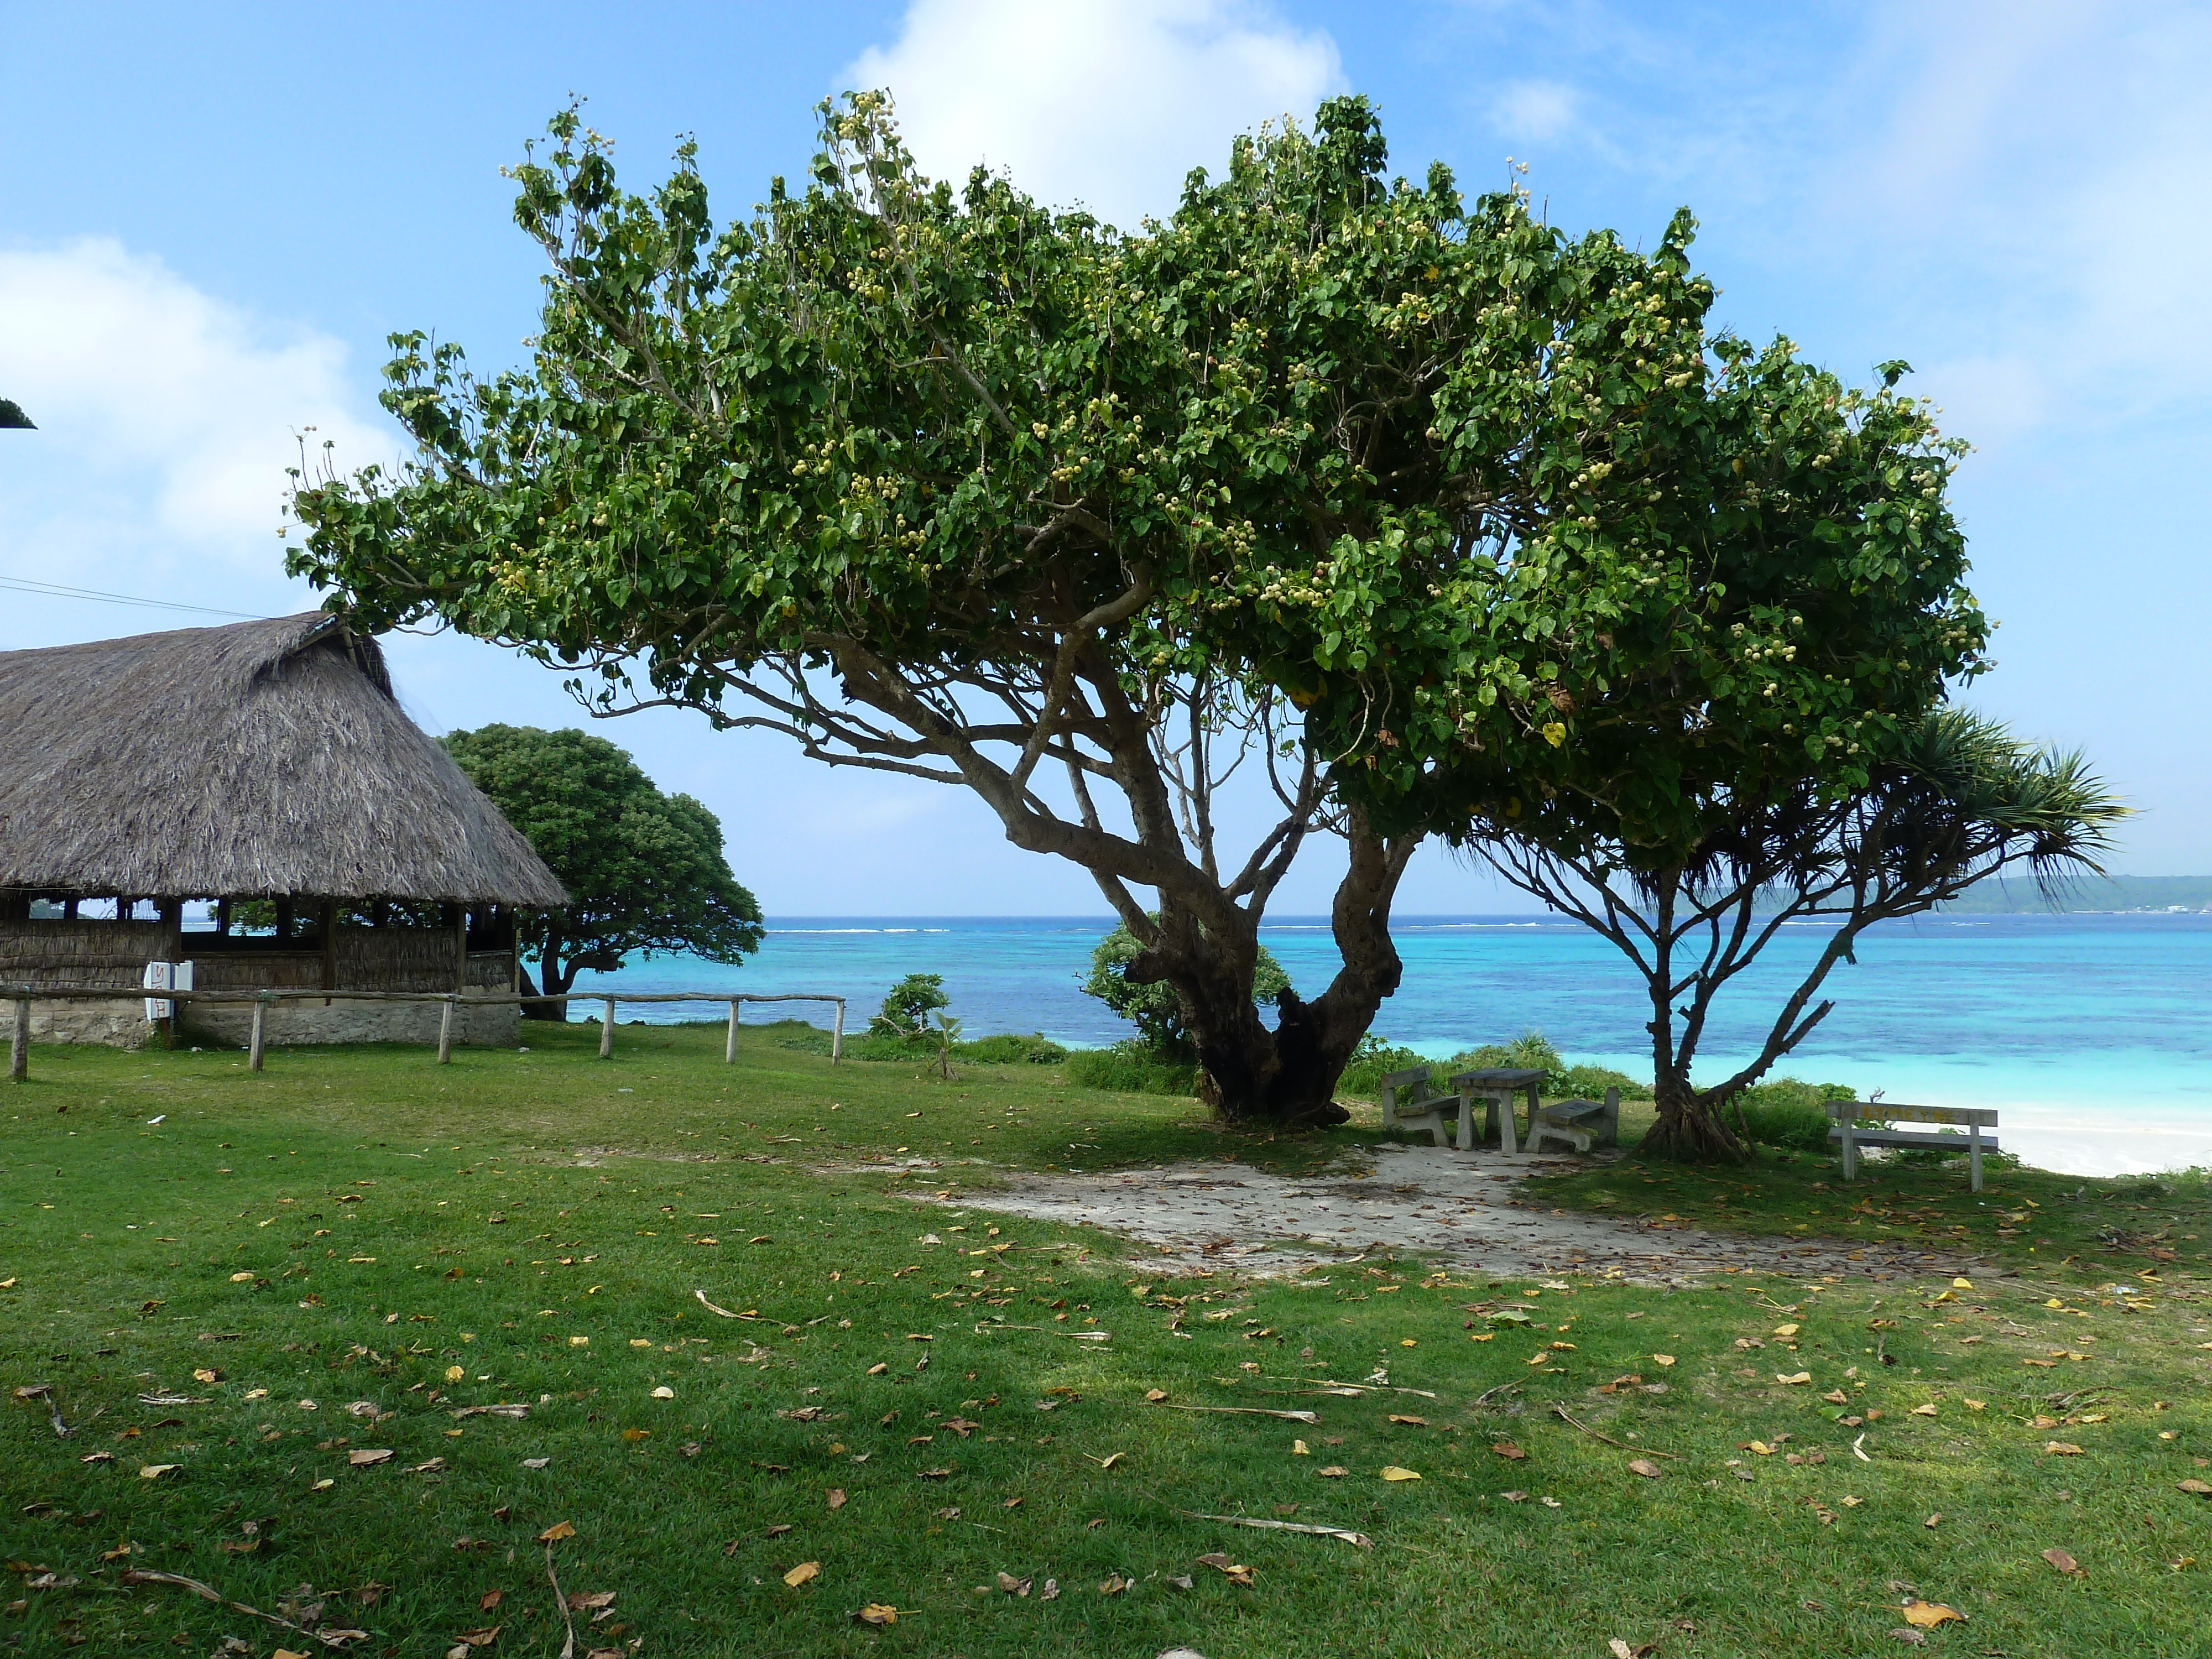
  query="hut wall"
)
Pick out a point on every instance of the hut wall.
point(88, 953)
point(98, 953)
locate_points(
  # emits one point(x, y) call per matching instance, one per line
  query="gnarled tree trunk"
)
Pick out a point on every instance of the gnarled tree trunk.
point(1287, 1075)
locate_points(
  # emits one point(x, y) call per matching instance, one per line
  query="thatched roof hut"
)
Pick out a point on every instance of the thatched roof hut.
point(262, 759)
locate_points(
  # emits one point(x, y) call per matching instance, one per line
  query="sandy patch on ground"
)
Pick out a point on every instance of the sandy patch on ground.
point(1468, 1212)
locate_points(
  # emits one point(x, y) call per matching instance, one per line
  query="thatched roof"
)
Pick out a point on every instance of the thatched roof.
point(265, 759)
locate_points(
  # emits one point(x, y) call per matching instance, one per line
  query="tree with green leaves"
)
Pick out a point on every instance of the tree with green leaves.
point(12, 416)
point(1152, 1005)
point(909, 1005)
point(1330, 472)
point(645, 871)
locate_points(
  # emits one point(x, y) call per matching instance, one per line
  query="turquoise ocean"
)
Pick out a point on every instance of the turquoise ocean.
point(2092, 1033)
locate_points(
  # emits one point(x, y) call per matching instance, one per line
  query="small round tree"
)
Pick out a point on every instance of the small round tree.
point(645, 871)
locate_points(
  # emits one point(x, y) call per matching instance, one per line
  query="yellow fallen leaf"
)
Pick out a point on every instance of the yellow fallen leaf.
point(1974, 1404)
point(1113, 1584)
point(2065, 1563)
point(805, 1572)
point(1762, 1449)
point(2061, 1448)
point(454, 1373)
point(878, 1612)
point(1333, 1471)
point(1922, 1411)
point(1155, 1395)
point(1298, 1448)
point(664, 1391)
point(1407, 1342)
point(1792, 1380)
point(1785, 1330)
point(203, 1374)
point(1392, 1472)
point(1645, 1466)
point(1487, 1336)
point(556, 1533)
point(1662, 1358)
point(1962, 1284)
point(155, 1471)
point(1926, 1615)
point(240, 1278)
point(361, 1456)
point(1837, 1397)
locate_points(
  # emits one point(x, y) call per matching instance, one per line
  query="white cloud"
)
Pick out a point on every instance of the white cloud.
point(165, 418)
point(1536, 109)
point(1108, 103)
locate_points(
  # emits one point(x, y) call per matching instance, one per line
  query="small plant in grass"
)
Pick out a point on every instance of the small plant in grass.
point(948, 1033)
point(906, 1010)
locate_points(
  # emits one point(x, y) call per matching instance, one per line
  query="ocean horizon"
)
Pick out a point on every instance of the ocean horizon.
point(2091, 1033)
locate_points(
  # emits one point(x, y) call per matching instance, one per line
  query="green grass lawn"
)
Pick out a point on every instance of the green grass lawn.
point(337, 1257)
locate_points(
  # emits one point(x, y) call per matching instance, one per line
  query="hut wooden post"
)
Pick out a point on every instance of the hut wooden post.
point(445, 1032)
point(607, 1032)
point(461, 948)
point(837, 1034)
point(330, 947)
point(730, 1047)
point(19, 1039)
point(254, 1052)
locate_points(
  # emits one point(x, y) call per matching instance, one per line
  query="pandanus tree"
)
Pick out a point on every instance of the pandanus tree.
point(941, 483)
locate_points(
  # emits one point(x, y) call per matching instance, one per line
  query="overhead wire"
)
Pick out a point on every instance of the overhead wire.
point(60, 591)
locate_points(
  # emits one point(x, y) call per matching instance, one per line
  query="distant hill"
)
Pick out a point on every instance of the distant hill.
point(2097, 893)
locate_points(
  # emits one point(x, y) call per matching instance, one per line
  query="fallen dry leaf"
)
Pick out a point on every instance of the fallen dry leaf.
point(2065, 1563)
point(1013, 1586)
point(1113, 1584)
point(805, 1572)
point(878, 1612)
point(1417, 1422)
point(1662, 1358)
point(2194, 1488)
point(1299, 1449)
point(1794, 1379)
point(836, 1497)
point(1645, 1466)
point(664, 1391)
point(1392, 1472)
point(481, 1638)
point(1837, 1397)
point(2061, 1448)
point(1508, 1451)
point(1926, 1615)
point(1051, 1590)
point(1934, 1520)
point(491, 1599)
point(155, 1471)
point(556, 1533)
point(361, 1456)
point(1229, 1568)
point(1928, 1410)
point(454, 1373)
point(1333, 1471)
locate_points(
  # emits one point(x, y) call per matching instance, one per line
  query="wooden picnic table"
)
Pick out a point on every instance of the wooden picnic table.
point(1498, 1084)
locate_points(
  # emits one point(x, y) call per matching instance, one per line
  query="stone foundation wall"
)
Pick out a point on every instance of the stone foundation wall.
point(119, 1024)
point(231, 1024)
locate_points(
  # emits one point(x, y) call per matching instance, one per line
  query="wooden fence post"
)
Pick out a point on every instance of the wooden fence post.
point(837, 1034)
point(607, 1032)
point(446, 1033)
point(730, 1047)
point(260, 1015)
point(19, 1043)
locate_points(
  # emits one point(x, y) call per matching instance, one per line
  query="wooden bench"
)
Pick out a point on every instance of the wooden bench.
point(1580, 1124)
point(1408, 1102)
point(1852, 1134)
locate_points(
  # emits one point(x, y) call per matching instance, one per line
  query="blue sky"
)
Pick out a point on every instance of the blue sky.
point(211, 216)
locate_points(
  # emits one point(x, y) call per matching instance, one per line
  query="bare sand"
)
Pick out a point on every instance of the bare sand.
point(1470, 1213)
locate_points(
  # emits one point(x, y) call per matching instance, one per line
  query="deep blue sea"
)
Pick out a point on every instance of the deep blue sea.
point(2094, 1032)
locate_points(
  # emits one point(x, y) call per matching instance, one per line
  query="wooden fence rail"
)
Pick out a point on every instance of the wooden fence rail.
point(19, 1041)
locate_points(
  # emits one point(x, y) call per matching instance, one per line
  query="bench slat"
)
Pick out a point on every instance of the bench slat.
point(1884, 1110)
point(1907, 1137)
